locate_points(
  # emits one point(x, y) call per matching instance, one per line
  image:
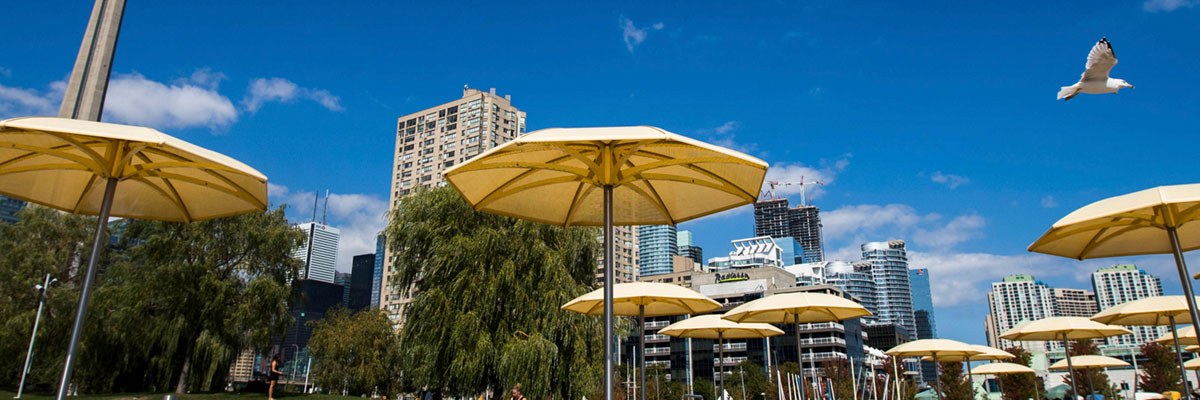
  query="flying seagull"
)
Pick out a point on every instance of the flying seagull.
point(1095, 78)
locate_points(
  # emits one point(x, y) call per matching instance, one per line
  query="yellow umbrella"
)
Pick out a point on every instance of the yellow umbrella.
point(1187, 337)
point(934, 348)
point(1063, 328)
point(1088, 362)
point(642, 299)
point(1158, 310)
point(645, 176)
point(1158, 220)
point(714, 327)
point(1001, 368)
point(1192, 349)
point(1192, 364)
point(985, 353)
point(797, 308)
point(104, 169)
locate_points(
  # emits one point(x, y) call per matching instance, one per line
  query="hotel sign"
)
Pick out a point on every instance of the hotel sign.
point(732, 277)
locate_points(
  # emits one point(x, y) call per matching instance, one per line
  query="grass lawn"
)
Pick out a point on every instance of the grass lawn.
point(5, 395)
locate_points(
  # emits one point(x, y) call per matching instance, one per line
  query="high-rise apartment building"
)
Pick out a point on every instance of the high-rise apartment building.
point(802, 224)
point(1074, 303)
point(436, 138)
point(318, 251)
point(855, 279)
point(656, 245)
point(625, 256)
point(1017, 299)
point(689, 249)
point(923, 315)
point(377, 274)
point(1124, 283)
point(893, 291)
point(9, 208)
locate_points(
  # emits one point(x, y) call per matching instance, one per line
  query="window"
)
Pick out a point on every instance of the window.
point(427, 151)
point(426, 178)
point(452, 110)
point(474, 104)
point(406, 174)
point(473, 121)
point(427, 169)
point(449, 137)
point(471, 131)
point(411, 122)
point(427, 142)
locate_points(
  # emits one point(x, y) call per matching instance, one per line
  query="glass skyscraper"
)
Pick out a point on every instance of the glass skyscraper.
point(893, 291)
point(377, 277)
point(656, 245)
point(689, 249)
point(923, 314)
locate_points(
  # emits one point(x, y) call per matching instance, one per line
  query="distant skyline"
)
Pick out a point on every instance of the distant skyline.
point(932, 123)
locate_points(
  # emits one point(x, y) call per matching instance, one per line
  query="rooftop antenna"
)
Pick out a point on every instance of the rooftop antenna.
point(326, 210)
point(316, 196)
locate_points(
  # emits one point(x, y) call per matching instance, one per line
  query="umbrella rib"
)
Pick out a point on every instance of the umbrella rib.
point(1110, 221)
point(1187, 215)
point(482, 166)
point(657, 204)
point(175, 200)
point(209, 169)
point(658, 200)
point(31, 154)
point(497, 195)
point(575, 202)
point(236, 193)
point(86, 189)
point(591, 164)
point(1095, 243)
point(91, 164)
point(709, 174)
point(44, 167)
point(175, 197)
point(92, 154)
point(673, 178)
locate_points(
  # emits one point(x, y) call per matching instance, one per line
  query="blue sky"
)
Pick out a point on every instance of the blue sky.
point(935, 123)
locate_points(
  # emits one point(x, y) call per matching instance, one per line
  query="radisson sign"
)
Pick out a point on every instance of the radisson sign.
point(732, 277)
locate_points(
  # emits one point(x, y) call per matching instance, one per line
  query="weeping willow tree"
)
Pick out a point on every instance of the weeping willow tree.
point(181, 300)
point(487, 290)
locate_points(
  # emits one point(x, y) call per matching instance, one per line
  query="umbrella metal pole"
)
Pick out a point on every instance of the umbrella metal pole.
point(1091, 386)
point(642, 349)
point(1179, 357)
point(608, 293)
point(721, 363)
point(937, 376)
point(1185, 279)
point(970, 379)
point(799, 354)
point(110, 187)
point(1070, 365)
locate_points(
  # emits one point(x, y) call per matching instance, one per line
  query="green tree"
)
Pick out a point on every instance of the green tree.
point(354, 353)
point(1019, 386)
point(954, 381)
point(1088, 379)
point(1160, 372)
point(659, 388)
point(43, 241)
point(705, 388)
point(487, 290)
point(749, 375)
point(181, 300)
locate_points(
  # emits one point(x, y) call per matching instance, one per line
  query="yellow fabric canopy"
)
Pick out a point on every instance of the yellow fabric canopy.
point(64, 163)
point(658, 177)
point(1127, 225)
point(659, 299)
point(708, 326)
point(1192, 364)
point(1001, 368)
point(1156, 310)
point(986, 353)
point(787, 307)
point(1062, 328)
point(932, 347)
point(1187, 337)
point(1089, 362)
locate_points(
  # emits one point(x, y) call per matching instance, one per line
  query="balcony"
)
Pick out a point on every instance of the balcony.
point(731, 347)
point(657, 324)
point(657, 338)
point(655, 351)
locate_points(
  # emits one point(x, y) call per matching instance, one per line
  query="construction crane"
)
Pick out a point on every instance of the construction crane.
point(770, 192)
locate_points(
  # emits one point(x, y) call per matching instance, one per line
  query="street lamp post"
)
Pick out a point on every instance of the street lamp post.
point(295, 360)
point(32, 336)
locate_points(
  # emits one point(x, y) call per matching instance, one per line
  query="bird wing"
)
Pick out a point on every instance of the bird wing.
point(1100, 61)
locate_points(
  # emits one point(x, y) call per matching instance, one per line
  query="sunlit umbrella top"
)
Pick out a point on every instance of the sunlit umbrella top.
point(1187, 337)
point(1127, 225)
point(1087, 362)
point(985, 353)
point(810, 307)
point(1192, 364)
point(555, 176)
point(708, 326)
point(1001, 368)
point(658, 298)
point(929, 347)
point(63, 163)
point(1147, 311)
point(1053, 328)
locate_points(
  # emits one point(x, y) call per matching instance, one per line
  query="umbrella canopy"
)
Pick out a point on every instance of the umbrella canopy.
point(1158, 310)
point(709, 326)
point(65, 164)
point(1187, 337)
point(659, 299)
point(1062, 328)
point(658, 177)
point(986, 353)
point(1192, 349)
point(1192, 364)
point(1089, 362)
point(787, 307)
point(1127, 225)
point(929, 347)
point(1001, 368)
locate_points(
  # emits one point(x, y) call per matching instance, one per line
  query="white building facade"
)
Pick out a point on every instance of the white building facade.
point(319, 251)
point(1124, 283)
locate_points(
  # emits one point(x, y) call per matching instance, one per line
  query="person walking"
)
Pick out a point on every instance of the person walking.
point(273, 377)
point(516, 393)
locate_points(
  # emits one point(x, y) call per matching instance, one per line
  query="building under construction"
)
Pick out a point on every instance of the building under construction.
point(773, 217)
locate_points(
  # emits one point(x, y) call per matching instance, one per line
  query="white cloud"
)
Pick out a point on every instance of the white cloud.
point(1049, 202)
point(134, 99)
point(724, 136)
point(359, 217)
point(633, 35)
point(21, 102)
point(1166, 5)
point(950, 180)
point(789, 175)
point(264, 90)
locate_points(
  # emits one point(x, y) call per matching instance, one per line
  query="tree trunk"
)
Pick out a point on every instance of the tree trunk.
point(181, 386)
